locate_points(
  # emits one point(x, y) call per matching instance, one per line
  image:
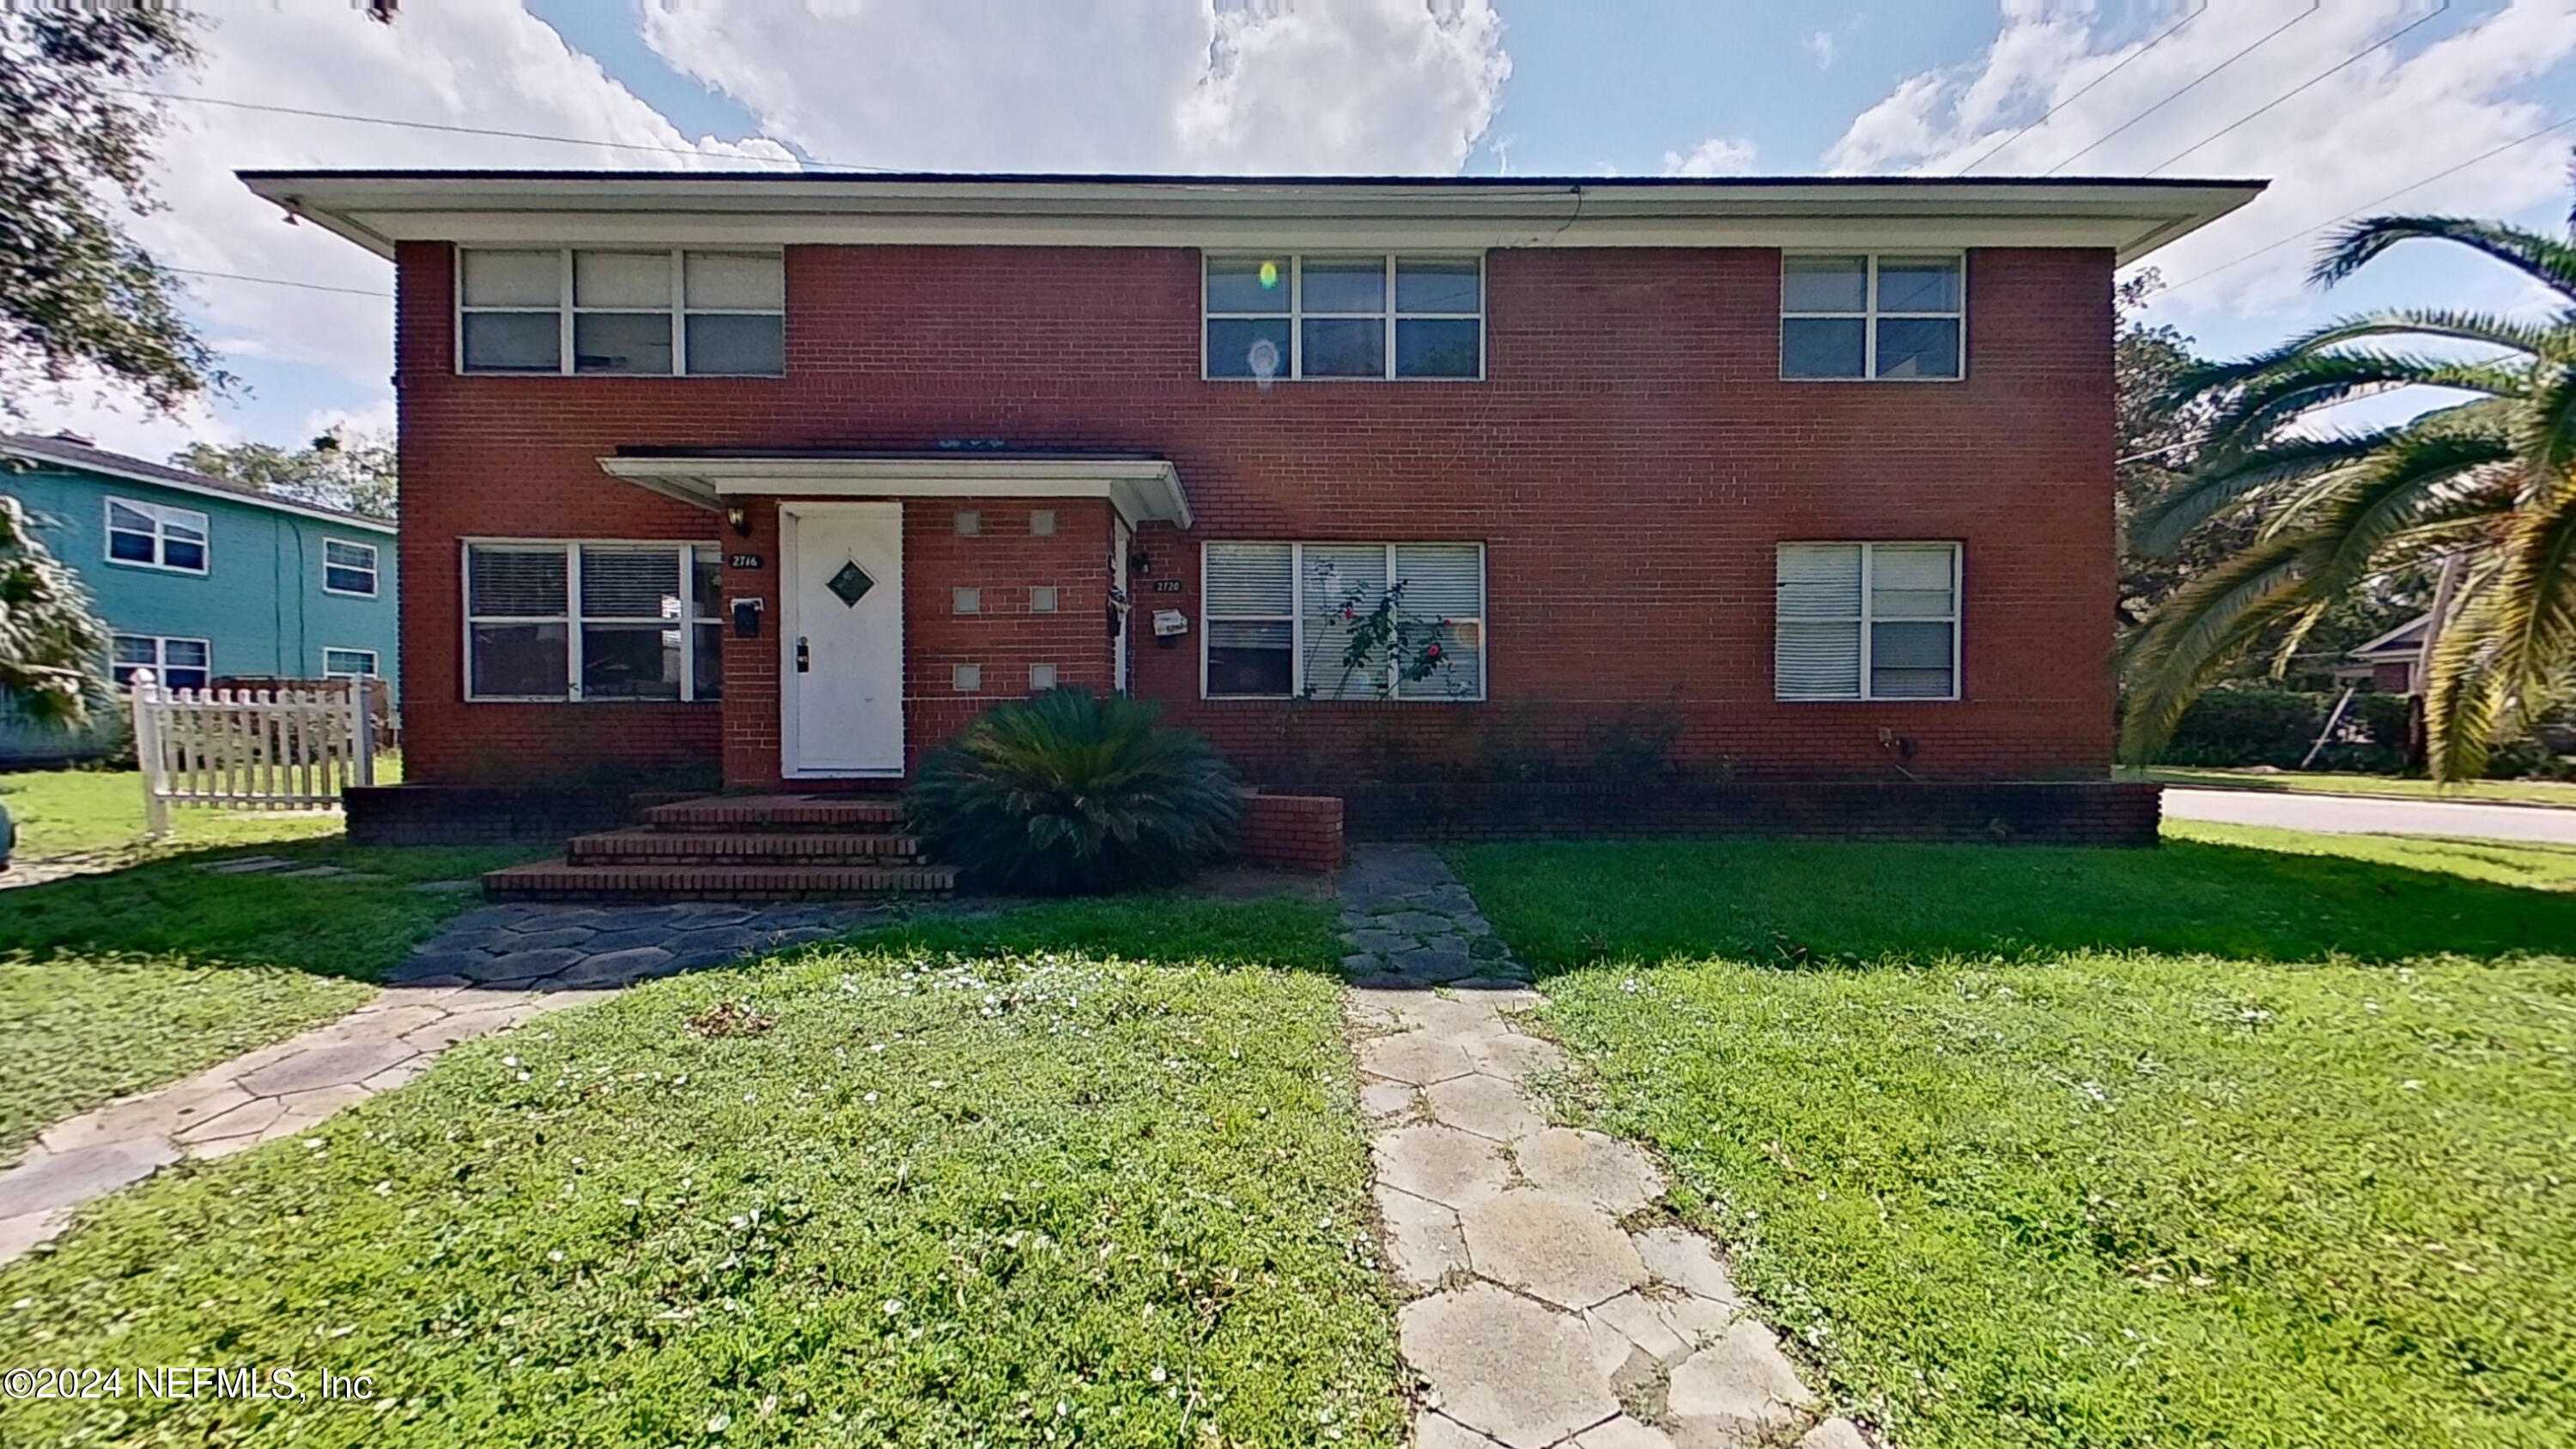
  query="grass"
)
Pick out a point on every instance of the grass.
point(2476, 792)
point(84, 812)
point(120, 982)
point(1079, 1174)
point(2253, 1140)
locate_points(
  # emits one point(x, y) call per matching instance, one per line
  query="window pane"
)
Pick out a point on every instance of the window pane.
point(737, 281)
point(1342, 583)
point(740, 346)
point(190, 526)
point(190, 556)
point(1817, 661)
point(1248, 658)
point(349, 555)
point(1441, 580)
point(1910, 581)
point(1918, 347)
point(1441, 286)
point(513, 342)
point(622, 279)
point(1344, 347)
point(184, 653)
point(1824, 284)
point(348, 581)
point(185, 678)
point(1819, 580)
point(519, 659)
point(1343, 284)
point(1437, 349)
point(710, 661)
point(1458, 673)
point(1247, 284)
point(629, 661)
point(517, 583)
point(140, 649)
point(1909, 661)
point(1247, 348)
point(1822, 347)
point(630, 342)
point(348, 661)
point(1918, 284)
point(131, 547)
point(1249, 578)
point(513, 279)
point(706, 582)
point(630, 583)
point(120, 516)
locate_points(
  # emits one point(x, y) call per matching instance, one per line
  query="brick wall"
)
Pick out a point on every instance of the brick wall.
point(1630, 463)
point(2016, 812)
point(1291, 832)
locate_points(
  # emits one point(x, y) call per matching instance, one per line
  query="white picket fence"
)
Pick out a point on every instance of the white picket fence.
point(251, 749)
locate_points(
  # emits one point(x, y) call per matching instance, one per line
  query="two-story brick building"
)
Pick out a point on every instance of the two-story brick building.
point(792, 474)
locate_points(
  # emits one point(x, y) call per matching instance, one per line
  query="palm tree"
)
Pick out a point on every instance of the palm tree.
point(2482, 491)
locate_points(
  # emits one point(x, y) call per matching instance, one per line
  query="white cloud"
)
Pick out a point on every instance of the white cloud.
point(1825, 46)
point(1262, 86)
point(85, 407)
point(1716, 156)
point(2389, 118)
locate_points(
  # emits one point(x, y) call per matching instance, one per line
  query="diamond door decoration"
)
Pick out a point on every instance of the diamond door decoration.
point(851, 584)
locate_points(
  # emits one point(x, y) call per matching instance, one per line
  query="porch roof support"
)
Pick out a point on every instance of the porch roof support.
point(1144, 489)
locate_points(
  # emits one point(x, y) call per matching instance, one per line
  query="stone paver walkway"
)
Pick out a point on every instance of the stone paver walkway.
point(490, 968)
point(1549, 1303)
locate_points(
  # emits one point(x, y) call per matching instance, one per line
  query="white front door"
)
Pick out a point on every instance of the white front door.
point(842, 644)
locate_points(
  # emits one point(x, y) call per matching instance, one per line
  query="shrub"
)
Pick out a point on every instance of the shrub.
point(2276, 727)
point(1072, 793)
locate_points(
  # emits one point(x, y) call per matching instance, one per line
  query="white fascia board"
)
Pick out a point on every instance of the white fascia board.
point(1142, 491)
point(680, 211)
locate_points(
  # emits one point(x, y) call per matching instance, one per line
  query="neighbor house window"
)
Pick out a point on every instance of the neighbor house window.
point(152, 535)
point(1282, 619)
point(1900, 318)
point(348, 663)
point(592, 621)
point(631, 312)
point(1368, 316)
point(1867, 621)
point(349, 568)
point(176, 663)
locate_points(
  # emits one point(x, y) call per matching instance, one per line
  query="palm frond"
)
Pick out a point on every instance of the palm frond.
point(2397, 487)
point(2251, 406)
point(2160, 528)
point(2199, 631)
point(2489, 328)
point(2464, 700)
point(2548, 260)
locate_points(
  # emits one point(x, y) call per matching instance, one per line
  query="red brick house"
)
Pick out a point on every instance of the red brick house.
point(787, 476)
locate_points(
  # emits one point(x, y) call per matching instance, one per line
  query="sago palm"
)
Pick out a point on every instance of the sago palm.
point(2485, 488)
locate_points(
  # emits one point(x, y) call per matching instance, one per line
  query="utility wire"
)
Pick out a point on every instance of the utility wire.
point(2018, 131)
point(276, 282)
point(2447, 171)
point(2354, 59)
point(2187, 87)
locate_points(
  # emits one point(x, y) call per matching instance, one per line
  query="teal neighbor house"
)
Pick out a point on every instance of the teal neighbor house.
point(201, 580)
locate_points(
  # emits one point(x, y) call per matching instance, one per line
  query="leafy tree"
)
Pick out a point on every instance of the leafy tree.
point(2483, 488)
point(51, 641)
point(76, 294)
point(352, 474)
point(2158, 436)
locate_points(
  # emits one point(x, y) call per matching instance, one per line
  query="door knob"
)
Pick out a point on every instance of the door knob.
point(804, 656)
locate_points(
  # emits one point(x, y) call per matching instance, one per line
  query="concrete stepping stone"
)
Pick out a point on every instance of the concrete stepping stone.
point(1588, 1166)
point(1505, 1366)
point(1382, 1100)
point(1571, 1254)
point(1684, 1259)
point(1423, 1241)
point(1420, 1058)
point(337, 1064)
point(1486, 1106)
point(616, 968)
point(1737, 1390)
point(1440, 1163)
point(1834, 1433)
point(1623, 1433)
point(46, 1181)
point(1439, 1431)
point(1512, 1055)
point(1640, 1321)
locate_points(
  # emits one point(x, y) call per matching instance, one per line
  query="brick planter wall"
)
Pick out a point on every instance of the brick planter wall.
point(1291, 832)
point(2022, 812)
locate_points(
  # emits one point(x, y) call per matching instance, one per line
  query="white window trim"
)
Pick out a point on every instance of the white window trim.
point(1869, 315)
point(1296, 314)
point(1297, 622)
point(160, 514)
point(566, 308)
point(572, 620)
point(160, 655)
point(1869, 547)
point(375, 569)
point(375, 660)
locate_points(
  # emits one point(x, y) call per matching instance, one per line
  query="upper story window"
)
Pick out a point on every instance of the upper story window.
point(622, 313)
point(1895, 318)
point(1339, 316)
point(349, 568)
point(152, 535)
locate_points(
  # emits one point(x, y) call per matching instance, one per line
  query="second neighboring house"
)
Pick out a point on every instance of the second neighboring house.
point(201, 580)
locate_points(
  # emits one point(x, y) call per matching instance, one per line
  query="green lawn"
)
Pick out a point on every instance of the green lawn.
point(2208, 1145)
point(81, 812)
point(119, 982)
point(1080, 1174)
point(2479, 792)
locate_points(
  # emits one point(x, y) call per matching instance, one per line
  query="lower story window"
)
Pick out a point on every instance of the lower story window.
point(347, 663)
point(1867, 621)
point(176, 663)
point(592, 621)
point(1345, 620)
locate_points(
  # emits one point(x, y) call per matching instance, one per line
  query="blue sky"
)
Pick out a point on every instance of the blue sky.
point(1630, 87)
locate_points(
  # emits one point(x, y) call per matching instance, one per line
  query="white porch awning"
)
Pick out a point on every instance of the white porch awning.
point(1143, 488)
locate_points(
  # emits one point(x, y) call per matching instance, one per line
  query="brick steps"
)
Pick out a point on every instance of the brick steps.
point(738, 848)
point(677, 847)
point(560, 881)
point(776, 812)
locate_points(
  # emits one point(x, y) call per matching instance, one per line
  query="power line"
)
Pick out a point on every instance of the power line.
point(276, 282)
point(2019, 131)
point(475, 130)
point(2445, 172)
point(2187, 87)
point(2354, 59)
